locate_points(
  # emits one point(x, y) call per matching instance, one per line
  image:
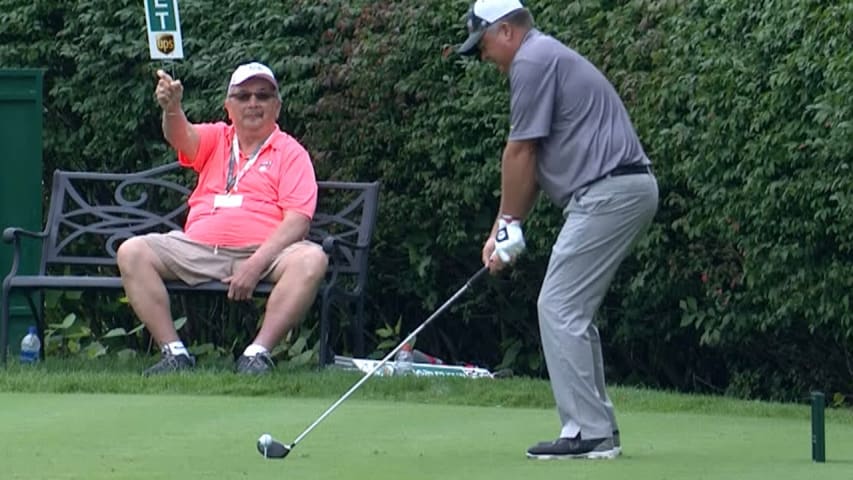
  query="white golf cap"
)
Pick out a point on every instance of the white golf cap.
point(252, 70)
point(482, 14)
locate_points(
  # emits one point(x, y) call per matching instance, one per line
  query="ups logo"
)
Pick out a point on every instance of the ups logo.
point(166, 43)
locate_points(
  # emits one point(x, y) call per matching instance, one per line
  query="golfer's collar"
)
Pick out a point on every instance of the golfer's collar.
point(527, 36)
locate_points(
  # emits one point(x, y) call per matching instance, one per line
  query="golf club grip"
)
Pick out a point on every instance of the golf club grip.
point(482, 271)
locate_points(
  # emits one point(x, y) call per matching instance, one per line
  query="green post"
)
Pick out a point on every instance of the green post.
point(818, 433)
point(21, 182)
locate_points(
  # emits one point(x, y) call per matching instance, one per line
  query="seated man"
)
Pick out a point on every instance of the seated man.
point(248, 219)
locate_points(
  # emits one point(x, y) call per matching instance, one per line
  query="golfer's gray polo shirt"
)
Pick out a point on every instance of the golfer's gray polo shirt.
point(560, 98)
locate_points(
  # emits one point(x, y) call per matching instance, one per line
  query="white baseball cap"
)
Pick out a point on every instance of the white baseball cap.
point(252, 70)
point(482, 14)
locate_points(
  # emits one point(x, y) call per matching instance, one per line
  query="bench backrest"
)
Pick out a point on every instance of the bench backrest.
point(90, 214)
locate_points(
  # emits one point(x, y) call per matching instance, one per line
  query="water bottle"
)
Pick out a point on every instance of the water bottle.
point(403, 362)
point(30, 346)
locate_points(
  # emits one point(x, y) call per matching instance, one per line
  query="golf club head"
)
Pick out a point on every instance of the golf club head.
point(275, 449)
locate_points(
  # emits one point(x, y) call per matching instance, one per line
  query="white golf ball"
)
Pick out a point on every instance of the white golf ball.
point(265, 440)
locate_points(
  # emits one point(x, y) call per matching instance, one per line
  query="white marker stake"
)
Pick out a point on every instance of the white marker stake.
point(164, 29)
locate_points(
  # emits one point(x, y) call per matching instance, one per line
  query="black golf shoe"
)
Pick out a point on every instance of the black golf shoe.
point(617, 443)
point(170, 363)
point(257, 364)
point(576, 447)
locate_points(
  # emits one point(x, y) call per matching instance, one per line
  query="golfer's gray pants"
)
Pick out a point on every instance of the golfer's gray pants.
point(602, 222)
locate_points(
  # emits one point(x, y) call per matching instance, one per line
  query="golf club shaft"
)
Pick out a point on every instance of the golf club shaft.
point(390, 355)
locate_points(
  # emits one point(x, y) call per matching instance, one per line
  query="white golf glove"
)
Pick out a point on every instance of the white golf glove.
point(509, 239)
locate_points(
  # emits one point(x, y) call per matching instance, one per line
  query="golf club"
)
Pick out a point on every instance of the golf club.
point(272, 448)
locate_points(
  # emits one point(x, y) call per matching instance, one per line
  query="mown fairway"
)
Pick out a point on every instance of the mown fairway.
point(184, 437)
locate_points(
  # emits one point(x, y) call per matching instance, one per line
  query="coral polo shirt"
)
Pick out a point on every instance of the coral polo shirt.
point(280, 182)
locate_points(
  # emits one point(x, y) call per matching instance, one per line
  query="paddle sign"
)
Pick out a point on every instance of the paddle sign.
point(164, 29)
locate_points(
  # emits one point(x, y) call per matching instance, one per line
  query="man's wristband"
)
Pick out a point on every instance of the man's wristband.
point(510, 218)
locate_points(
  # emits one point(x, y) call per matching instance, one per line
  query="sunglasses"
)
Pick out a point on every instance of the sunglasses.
point(243, 97)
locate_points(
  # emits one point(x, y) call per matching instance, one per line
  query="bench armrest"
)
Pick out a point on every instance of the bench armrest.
point(330, 242)
point(11, 233)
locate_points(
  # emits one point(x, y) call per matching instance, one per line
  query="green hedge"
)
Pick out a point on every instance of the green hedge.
point(741, 286)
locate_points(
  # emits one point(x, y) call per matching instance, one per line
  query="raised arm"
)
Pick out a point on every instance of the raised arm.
point(179, 132)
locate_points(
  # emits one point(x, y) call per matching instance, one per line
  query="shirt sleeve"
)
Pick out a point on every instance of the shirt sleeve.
point(297, 188)
point(532, 95)
point(208, 136)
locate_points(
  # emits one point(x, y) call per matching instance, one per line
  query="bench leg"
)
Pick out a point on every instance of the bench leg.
point(38, 314)
point(325, 348)
point(4, 323)
point(357, 329)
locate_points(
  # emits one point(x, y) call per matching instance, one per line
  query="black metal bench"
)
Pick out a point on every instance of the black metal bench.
point(90, 214)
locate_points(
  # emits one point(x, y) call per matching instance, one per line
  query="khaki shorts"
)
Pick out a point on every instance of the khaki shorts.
point(195, 263)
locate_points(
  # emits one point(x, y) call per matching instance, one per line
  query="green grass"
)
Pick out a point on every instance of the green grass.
point(66, 420)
